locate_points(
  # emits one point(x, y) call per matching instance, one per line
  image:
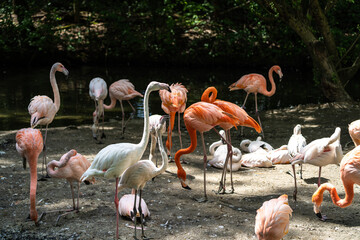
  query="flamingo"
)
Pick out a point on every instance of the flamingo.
point(112, 160)
point(256, 83)
point(122, 90)
point(154, 120)
point(29, 144)
point(209, 95)
point(220, 154)
point(137, 175)
point(201, 117)
point(272, 219)
point(43, 109)
point(173, 101)
point(71, 166)
point(256, 159)
point(320, 152)
point(249, 146)
point(126, 206)
point(98, 92)
point(279, 155)
point(349, 174)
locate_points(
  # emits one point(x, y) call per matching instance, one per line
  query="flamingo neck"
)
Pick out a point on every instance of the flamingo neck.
point(100, 107)
point(206, 97)
point(349, 194)
point(33, 185)
point(59, 164)
point(164, 157)
point(112, 104)
point(145, 137)
point(273, 86)
point(214, 145)
point(55, 88)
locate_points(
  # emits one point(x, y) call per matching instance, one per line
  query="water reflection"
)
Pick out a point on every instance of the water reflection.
point(18, 86)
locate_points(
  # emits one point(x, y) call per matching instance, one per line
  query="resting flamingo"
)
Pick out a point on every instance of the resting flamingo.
point(210, 95)
point(70, 167)
point(173, 101)
point(126, 206)
point(349, 174)
point(256, 83)
point(201, 117)
point(43, 109)
point(272, 219)
point(259, 158)
point(98, 92)
point(249, 146)
point(122, 90)
point(154, 120)
point(279, 155)
point(320, 152)
point(137, 175)
point(29, 144)
point(112, 160)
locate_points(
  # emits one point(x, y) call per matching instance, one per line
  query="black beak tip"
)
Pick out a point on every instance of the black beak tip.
point(187, 187)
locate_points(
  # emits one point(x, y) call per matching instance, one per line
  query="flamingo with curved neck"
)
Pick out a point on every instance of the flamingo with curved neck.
point(256, 83)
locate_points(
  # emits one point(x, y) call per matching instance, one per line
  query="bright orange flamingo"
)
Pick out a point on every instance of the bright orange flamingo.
point(173, 101)
point(209, 96)
point(71, 167)
point(43, 109)
point(272, 219)
point(29, 144)
point(201, 117)
point(256, 83)
point(349, 173)
point(122, 90)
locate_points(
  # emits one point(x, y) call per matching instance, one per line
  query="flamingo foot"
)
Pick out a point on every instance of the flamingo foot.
point(201, 200)
point(66, 213)
point(321, 216)
point(294, 195)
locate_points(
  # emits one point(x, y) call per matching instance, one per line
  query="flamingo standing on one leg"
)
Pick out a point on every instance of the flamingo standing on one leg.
point(122, 90)
point(272, 219)
point(98, 92)
point(43, 109)
point(137, 175)
point(154, 120)
point(320, 152)
point(112, 160)
point(173, 101)
point(209, 96)
point(256, 83)
point(349, 174)
point(29, 144)
point(71, 166)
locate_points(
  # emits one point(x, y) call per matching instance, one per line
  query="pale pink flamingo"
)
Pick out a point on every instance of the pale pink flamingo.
point(210, 95)
point(70, 167)
point(122, 90)
point(256, 159)
point(43, 109)
point(272, 219)
point(98, 92)
point(279, 155)
point(320, 152)
point(154, 120)
point(137, 175)
point(126, 206)
point(112, 160)
point(349, 174)
point(171, 102)
point(256, 83)
point(29, 144)
point(249, 146)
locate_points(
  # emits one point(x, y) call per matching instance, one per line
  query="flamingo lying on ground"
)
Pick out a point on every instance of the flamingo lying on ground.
point(256, 159)
point(112, 160)
point(256, 83)
point(279, 155)
point(249, 146)
point(137, 175)
point(173, 101)
point(43, 109)
point(98, 92)
point(154, 120)
point(320, 152)
point(126, 206)
point(349, 174)
point(122, 90)
point(272, 219)
point(29, 144)
point(70, 167)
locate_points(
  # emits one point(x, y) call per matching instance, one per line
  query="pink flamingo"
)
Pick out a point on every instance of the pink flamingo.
point(112, 160)
point(29, 144)
point(272, 219)
point(98, 92)
point(122, 90)
point(71, 166)
point(256, 83)
point(173, 101)
point(349, 174)
point(43, 109)
point(126, 206)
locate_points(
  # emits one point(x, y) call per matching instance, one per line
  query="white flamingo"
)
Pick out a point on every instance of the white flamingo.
point(136, 176)
point(279, 155)
point(249, 146)
point(320, 152)
point(98, 92)
point(112, 160)
point(296, 143)
point(43, 109)
point(154, 120)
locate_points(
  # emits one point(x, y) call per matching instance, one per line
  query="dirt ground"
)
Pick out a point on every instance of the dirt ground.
point(174, 212)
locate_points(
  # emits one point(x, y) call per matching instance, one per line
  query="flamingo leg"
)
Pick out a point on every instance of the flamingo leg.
point(116, 201)
point(258, 115)
point(74, 209)
point(204, 162)
point(78, 196)
point(141, 217)
point(295, 191)
point(103, 131)
point(44, 156)
point(301, 171)
point(319, 177)
point(230, 154)
point(134, 212)
point(179, 129)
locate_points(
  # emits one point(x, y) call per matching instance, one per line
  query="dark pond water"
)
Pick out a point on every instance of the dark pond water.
point(18, 86)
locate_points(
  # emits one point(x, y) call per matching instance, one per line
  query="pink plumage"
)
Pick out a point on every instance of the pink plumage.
point(272, 219)
point(126, 206)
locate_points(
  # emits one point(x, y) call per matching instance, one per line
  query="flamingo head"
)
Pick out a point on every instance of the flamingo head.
point(60, 68)
point(297, 129)
point(182, 177)
point(277, 69)
point(155, 86)
point(234, 87)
